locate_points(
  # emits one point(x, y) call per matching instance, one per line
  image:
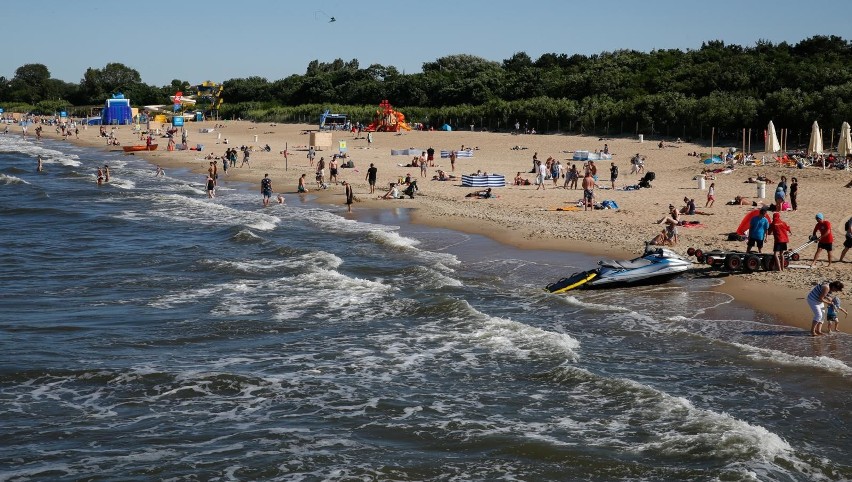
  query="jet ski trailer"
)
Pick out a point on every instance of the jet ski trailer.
point(656, 265)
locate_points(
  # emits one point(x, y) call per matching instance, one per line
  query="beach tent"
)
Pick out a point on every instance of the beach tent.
point(815, 145)
point(117, 111)
point(446, 127)
point(771, 141)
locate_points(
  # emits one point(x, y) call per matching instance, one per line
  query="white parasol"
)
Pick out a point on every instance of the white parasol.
point(772, 144)
point(844, 146)
point(815, 145)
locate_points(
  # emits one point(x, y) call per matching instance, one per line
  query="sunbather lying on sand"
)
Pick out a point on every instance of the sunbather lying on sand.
point(486, 194)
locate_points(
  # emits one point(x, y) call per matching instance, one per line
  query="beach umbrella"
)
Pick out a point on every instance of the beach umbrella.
point(815, 145)
point(772, 144)
point(844, 147)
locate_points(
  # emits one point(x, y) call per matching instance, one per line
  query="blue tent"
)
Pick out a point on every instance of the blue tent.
point(446, 127)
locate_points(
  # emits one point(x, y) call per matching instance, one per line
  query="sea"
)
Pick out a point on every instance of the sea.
point(150, 333)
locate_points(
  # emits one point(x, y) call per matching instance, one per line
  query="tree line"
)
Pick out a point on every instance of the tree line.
point(676, 93)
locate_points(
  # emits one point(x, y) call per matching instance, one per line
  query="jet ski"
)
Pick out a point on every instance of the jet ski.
point(656, 265)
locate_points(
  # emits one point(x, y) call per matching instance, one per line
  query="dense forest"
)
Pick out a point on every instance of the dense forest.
point(670, 93)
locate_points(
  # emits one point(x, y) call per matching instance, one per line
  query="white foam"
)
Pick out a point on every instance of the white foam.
point(34, 149)
point(194, 210)
point(6, 179)
point(122, 183)
point(518, 339)
point(781, 358)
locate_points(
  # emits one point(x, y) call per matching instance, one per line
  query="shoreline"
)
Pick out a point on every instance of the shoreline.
point(513, 225)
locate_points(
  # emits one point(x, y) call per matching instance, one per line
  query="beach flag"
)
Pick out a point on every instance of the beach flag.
point(342, 147)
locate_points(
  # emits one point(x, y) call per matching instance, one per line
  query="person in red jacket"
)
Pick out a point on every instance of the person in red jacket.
point(781, 231)
point(825, 240)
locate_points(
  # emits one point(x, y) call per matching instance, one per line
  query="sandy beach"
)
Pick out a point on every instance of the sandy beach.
point(524, 216)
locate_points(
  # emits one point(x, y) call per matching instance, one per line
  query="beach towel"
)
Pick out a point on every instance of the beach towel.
point(691, 224)
point(564, 208)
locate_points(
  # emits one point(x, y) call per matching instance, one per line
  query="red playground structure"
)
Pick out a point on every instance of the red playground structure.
point(388, 120)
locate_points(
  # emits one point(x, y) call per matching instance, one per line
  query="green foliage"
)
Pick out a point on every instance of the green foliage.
point(663, 91)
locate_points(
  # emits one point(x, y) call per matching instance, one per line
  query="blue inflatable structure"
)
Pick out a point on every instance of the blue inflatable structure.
point(117, 111)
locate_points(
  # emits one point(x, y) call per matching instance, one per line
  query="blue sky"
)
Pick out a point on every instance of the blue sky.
point(219, 40)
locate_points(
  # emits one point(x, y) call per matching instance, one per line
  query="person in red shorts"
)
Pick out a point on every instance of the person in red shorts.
point(781, 231)
point(825, 239)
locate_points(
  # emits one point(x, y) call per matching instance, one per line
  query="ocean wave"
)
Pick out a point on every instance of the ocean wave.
point(177, 207)
point(517, 339)
point(671, 426)
point(11, 180)
point(15, 144)
point(246, 236)
point(768, 355)
point(122, 183)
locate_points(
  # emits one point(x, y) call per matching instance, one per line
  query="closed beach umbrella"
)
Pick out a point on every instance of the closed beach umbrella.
point(815, 145)
point(844, 147)
point(772, 144)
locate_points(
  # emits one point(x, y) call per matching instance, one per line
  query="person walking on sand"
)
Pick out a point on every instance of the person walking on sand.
point(350, 196)
point(781, 231)
point(794, 193)
point(613, 174)
point(816, 298)
point(311, 154)
point(266, 189)
point(332, 170)
point(246, 156)
point(825, 239)
point(711, 195)
point(372, 173)
point(542, 173)
point(588, 192)
point(452, 161)
point(757, 229)
point(847, 243)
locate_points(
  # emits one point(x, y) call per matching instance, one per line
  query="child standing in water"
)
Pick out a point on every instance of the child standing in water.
point(831, 313)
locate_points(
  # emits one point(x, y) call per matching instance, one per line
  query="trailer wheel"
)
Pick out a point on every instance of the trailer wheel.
point(733, 262)
point(690, 251)
point(700, 259)
point(795, 257)
point(698, 252)
point(752, 263)
point(769, 263)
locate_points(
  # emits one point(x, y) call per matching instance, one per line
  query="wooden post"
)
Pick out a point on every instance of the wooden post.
point(744, 134)
point(749, 140)
point(712, 138)
point(286, 159)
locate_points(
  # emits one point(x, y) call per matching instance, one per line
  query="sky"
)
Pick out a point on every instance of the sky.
point(225, 39)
